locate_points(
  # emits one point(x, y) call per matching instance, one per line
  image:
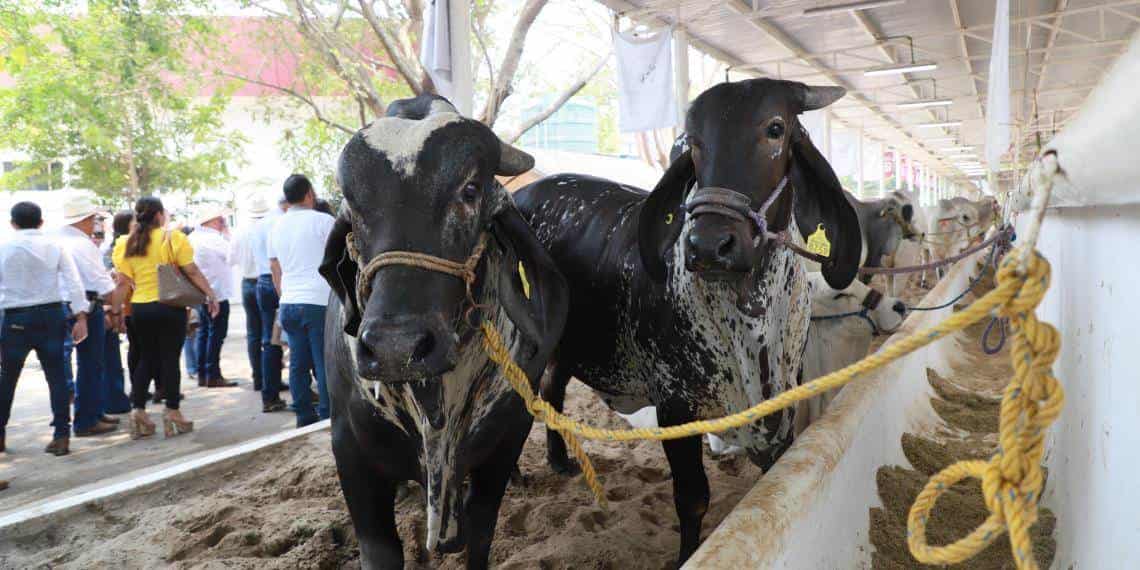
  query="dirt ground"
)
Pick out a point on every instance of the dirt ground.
point(285, 510)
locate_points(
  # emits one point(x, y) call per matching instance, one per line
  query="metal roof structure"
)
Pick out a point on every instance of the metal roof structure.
point(1060, 50)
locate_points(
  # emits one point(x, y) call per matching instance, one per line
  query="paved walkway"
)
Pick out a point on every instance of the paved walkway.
point(222, 416)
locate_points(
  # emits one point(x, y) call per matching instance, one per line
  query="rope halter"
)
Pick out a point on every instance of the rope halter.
point(464, 270)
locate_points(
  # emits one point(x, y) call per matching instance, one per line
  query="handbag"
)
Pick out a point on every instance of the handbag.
point(174, 288)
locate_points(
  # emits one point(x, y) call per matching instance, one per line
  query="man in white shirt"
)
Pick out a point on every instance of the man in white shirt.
point(296, 246)
point(81, 217)
point(32, 269)
point(212, 256)
point(244, 257)
point(268, 302)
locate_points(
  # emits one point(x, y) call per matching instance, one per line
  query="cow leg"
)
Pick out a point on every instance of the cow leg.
point(485, 493)
point(690, 485)
point(553, 389)
point(371, 503)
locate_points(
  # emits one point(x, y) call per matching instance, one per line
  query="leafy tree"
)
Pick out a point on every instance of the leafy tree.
point(108, 90)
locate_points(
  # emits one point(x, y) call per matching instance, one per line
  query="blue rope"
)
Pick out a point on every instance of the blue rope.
point(862, 313)
point(1003, 322)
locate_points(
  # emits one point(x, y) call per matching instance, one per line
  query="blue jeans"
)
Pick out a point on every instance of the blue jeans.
point(90, 392)
point(271, 355)
point(252, 328)
point(305, 325)
point(115, 398)
point(190, 354)
point(211, 334)
point(41, 329)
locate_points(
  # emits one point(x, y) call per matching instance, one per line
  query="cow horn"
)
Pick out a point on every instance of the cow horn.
point(441, 105)
point(820, 96)
point(513, 162)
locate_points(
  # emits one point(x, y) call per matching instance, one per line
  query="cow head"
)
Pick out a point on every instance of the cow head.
point(422, 179)
point(745, 137)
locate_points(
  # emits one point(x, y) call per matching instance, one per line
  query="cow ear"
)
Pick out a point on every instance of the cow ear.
point(662, 215)
point(531, 289)
point(821, 203)
point(339, 270)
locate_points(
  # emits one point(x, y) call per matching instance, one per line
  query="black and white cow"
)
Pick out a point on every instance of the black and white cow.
point(697, 314)
point(414, 397)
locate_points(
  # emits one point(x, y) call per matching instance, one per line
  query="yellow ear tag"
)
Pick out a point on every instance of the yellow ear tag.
point(669, 218)
point(817, 242)
point(522, 279)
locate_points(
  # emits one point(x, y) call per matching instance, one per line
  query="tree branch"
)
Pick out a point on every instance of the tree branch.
point(410, 71)
point(503, 86)
point(565, 96)
point(320, 116)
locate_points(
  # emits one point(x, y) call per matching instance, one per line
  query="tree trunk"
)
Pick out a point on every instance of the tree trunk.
point(504, 83)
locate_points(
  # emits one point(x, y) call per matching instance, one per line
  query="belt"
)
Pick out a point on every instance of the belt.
point(91, 295)
point(43, 307)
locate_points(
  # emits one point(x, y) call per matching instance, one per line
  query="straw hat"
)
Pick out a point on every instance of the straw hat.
point(79, 208)
point(258, 207)
point(210, 213)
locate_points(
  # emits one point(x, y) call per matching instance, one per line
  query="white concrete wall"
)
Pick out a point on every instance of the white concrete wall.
point(1094, 447)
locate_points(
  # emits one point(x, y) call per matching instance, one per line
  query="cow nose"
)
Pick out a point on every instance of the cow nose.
point(713, 250)
point(899, 308)
point(394, 350)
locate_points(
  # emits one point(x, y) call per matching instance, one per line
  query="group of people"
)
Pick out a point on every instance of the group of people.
point(59, 295)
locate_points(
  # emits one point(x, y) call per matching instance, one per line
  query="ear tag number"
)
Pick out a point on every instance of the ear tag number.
point(817, 242)
point(669, 218)
point(523, 280)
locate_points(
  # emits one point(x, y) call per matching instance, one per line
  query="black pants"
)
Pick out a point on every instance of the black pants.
point(158, 334)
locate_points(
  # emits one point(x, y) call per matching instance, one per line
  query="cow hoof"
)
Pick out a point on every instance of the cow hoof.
point(566, 468)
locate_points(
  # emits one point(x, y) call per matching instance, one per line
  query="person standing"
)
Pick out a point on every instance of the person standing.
point(80, 215)
point(267, 304)
point(158, 329)
point(212, 256)
point(296, 247)
point(115, 398)
point(190, 342)
point(243, 256)
point(33, 270)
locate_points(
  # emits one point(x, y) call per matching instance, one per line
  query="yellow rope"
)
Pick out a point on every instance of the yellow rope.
point(1011, 480)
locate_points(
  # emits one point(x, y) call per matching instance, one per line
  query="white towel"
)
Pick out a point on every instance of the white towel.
point(645, 82)
point(435, 49)
point(997, 96)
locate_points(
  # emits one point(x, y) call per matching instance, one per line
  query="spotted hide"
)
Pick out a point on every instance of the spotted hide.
point(414, 397)
point(697, 313)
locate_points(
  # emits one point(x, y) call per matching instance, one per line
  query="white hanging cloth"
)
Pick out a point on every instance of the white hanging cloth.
point(645, 82)
point(435, 49)
point(997, 95)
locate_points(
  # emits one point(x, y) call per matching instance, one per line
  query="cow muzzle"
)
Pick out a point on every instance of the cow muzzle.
point(725, 233)
point(406, 349)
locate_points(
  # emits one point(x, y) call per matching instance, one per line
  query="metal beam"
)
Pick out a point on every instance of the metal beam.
point(956, 10)
point(1059, 7)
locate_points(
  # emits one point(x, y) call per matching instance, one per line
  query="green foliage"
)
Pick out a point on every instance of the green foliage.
point(109, 91)
point(313, 149)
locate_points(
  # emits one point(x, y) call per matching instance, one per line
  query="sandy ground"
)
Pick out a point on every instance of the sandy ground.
point(285, 510)
point(222, 416)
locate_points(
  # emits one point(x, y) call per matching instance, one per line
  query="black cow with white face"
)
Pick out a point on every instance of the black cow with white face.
point(697, 314)
point(414, 397)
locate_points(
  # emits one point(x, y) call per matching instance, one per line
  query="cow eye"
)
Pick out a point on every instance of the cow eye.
point(470, 192)
point(775, 130)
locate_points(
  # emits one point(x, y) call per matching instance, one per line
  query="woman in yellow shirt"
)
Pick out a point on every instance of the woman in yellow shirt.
point(158, 329)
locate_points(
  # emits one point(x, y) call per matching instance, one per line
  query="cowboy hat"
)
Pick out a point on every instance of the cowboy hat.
point(258, 207)
point(210, 213)
point(79, 208)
